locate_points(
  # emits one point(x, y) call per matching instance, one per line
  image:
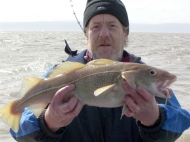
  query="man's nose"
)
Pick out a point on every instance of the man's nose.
point(104, 32)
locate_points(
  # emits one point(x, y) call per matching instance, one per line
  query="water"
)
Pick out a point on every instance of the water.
point(31, 53)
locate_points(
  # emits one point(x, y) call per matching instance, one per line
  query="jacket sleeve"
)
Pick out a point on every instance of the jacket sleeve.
point(173, 121)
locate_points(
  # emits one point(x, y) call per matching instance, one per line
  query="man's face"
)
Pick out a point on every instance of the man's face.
point(106, 37)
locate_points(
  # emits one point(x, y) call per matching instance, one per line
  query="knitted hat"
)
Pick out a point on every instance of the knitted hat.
point(113, 7)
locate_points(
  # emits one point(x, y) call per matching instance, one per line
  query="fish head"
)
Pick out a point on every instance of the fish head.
point(156, 81)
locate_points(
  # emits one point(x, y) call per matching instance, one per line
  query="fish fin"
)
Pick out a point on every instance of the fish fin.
point(37, 109)
point(104, 90)
point(118, 80)
point(166, 101)
point(129, 78)
point(65, 68)
point(124, 110)
point(100, 62)
point(9, 117)
point(29, 83)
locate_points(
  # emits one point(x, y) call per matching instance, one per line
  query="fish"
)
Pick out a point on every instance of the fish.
point(97, 83)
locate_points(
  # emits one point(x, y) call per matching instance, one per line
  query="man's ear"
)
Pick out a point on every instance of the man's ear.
point(126, 36)
point(85, 32)
point(86, 35)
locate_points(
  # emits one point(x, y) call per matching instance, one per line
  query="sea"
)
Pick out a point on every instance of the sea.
point(31, 53)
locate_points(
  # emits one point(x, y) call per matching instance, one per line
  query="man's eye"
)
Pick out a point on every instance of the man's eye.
point(112, 26)
point(95, 27)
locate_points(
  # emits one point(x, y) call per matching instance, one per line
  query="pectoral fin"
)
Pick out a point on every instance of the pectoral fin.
point(110, 88)
point(104, 90)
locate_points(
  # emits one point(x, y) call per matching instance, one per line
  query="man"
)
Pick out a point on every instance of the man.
point(106, 27)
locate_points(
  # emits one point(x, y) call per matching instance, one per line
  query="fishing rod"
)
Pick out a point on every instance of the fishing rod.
point(67, 47)
point(76, 16)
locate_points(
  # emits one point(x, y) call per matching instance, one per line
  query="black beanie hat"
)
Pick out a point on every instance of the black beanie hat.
point(113, 7)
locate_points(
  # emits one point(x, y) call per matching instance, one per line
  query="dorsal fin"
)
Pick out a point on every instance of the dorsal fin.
point(65, 68)
point(101, 62)
point(28, 83)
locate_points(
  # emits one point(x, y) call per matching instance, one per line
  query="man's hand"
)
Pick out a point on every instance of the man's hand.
point(142, 105)
point(59, 114)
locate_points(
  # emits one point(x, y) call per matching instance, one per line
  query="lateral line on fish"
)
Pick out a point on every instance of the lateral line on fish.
point(60, 86)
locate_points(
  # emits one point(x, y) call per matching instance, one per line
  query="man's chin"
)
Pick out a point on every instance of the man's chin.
point(111, 57)
point(105, 46)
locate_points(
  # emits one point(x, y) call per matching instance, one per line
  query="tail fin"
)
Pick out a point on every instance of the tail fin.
point(10, 117)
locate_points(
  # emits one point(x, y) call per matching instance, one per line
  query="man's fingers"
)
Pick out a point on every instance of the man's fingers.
point(128, 88)
point(61, 93)
point(133, 93)
point(69, 106)
point(140, 94)
point(145, 94)
point(132, 105)
point(76, 110)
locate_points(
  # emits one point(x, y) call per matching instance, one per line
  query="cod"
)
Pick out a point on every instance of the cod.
point(98, 83)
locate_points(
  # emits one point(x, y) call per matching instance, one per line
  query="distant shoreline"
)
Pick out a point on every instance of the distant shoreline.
point(73, 26)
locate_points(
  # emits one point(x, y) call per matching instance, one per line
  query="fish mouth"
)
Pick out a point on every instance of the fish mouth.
point(164, 88)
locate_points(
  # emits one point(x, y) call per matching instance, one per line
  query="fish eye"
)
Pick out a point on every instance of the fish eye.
point(152, 72)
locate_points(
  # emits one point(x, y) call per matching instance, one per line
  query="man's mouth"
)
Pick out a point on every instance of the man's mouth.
point(105, 45)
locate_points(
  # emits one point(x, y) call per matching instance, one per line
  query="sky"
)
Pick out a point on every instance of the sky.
point(139, 11)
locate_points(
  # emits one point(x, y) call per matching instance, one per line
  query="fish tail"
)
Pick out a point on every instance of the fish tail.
point(10, 117)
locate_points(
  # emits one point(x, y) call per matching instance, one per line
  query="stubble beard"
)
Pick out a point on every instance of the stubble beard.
point(113, 53)
point(106, 54)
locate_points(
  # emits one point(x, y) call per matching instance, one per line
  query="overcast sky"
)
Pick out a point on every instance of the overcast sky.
point(139, 11)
